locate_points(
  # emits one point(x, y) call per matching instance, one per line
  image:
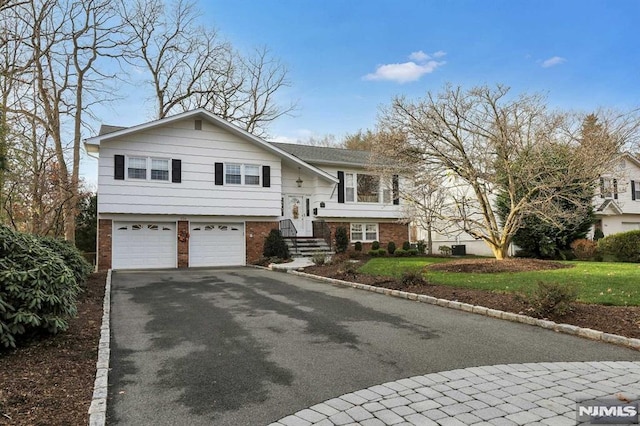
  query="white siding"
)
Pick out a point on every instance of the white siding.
point(197, 194)
point(620, 223)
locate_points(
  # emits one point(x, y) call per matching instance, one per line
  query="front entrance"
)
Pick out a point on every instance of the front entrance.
point(297, 209)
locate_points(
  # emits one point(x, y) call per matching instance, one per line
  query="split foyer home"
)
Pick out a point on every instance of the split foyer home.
point(194, 190)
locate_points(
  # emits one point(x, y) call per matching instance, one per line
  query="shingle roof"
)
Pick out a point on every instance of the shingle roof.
point(326, 155)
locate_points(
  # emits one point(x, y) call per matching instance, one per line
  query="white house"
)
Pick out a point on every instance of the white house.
point(194, 190)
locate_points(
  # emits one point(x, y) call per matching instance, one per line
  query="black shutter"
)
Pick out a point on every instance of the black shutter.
point(615, 189)
point(176, 171)
point(266, 176)
point(340, 187)
point(219, 174)
point(118, 167)
point(633, 190)
point(601, 187)
point(395, 183)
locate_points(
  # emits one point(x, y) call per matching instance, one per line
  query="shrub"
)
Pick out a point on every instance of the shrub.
point(412, 277)
point(400, 253)
point(275, 246)
point(598, 234)
point(445, 250)
point(375, 245)
point(319, 258)
point(373, 253)
point(38, 291)
point(382, 252)
point(391, 247)
point(421, 246)
point(406, 246)
point(71, 257)
point(584, 249)
point(625, 246)
point(551, 299)
point(342, 239)
point(412, 252)
point(358, 246)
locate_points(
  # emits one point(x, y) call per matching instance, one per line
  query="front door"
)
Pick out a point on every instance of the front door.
point(296, 209)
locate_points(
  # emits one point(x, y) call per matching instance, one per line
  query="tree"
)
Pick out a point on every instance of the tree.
point(484, 141)
point(361, 140)
point(87, 223)
point(189, 66)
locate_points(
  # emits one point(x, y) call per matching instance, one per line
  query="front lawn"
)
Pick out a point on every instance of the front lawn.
point(605, 283)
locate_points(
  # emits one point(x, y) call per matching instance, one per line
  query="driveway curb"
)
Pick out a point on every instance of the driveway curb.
point(494, 313)
point(98, 407)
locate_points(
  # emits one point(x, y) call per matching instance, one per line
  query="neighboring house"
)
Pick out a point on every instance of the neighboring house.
point(617, 204)
point(194, 190)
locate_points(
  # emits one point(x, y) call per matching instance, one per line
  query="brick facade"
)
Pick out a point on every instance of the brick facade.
point(183, 244)
point(387, 231)
point(105, 227)
point(255, 233)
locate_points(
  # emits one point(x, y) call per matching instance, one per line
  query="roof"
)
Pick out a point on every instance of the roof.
point(326, 155)
point(108, 132)
point(609, 203)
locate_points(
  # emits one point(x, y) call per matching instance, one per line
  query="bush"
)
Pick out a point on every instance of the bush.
point(375, 245)
point(406, 246)
point(38, 291)
point(625, 246)
point(342, 239)
point(412, 277)
point(598, 234)
point(71, 257)
point(391, 247)
point(319, 258)
point(421, 246)
point(382, 252)
point(373, 253)
point(445, 250)
point(400, 253)
point(275, 246)
point(584, 249)
point(412, 252)
point(551, 299)
point(358, 246)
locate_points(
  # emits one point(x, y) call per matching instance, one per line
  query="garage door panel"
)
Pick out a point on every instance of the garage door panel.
point(216, 244)
point(144, 245)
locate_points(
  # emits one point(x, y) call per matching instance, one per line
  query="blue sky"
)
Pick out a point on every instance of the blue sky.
point(347, 58)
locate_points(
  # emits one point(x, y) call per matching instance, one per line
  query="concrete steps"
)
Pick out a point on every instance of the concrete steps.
point(307, 247)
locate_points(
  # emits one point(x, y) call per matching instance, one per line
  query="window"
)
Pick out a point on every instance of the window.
point(233, 174)
point(159, 169)
point(349, 190)
point(368, 189)
point(251, 175)
point(364, 232)
point(137, 168)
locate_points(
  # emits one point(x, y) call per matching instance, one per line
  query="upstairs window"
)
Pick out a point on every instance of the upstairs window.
point(159, 169)
point(251, 175)
point(349, 189)
point(242, 174)
point(233, 174)
point(368, 189)
point(137, 168)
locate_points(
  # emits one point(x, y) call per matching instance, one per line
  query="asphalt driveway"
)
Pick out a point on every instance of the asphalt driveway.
point(244, 346)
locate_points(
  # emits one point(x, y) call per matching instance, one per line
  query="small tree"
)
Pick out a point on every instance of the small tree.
point(391, 247)
point(275, 246)
point(342, 239)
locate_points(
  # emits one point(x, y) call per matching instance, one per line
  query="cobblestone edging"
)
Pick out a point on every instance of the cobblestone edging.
point(98, 408)
point(510, 394)
point(524, 319)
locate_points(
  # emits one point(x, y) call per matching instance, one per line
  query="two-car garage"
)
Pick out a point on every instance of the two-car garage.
point(147, 244)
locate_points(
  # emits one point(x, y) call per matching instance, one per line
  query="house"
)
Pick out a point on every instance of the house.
point(195, 190)
point(617, 203)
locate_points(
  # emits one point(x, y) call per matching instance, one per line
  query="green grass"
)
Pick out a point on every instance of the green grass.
point(605, 283)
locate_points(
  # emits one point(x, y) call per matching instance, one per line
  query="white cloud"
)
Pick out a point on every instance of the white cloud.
point(553, 61)
point(419, 56)
point(405, 72)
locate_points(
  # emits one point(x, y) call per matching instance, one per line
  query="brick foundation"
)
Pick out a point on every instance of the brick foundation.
point(255, 233)
point(105, 227)
point(183, 244)
point(387, 231)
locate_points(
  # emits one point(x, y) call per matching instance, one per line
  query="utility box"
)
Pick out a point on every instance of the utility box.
point(459, 250)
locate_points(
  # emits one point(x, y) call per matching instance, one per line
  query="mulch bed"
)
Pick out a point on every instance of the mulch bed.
point(624, 321)
point(50, 381)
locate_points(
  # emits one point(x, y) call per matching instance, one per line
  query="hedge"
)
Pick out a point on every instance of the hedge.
point(624, 246)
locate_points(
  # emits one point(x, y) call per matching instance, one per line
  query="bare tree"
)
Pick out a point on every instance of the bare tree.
point(485, 141)
point(190, 66)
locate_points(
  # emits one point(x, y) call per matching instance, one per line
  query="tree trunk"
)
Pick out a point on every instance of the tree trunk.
point(429, 239)
point(500, 252)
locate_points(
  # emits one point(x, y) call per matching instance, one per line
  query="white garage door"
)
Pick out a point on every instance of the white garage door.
point(144, 245)
point(216, 244)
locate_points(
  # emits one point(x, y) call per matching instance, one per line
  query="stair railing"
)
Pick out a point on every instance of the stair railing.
point(288, 230)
